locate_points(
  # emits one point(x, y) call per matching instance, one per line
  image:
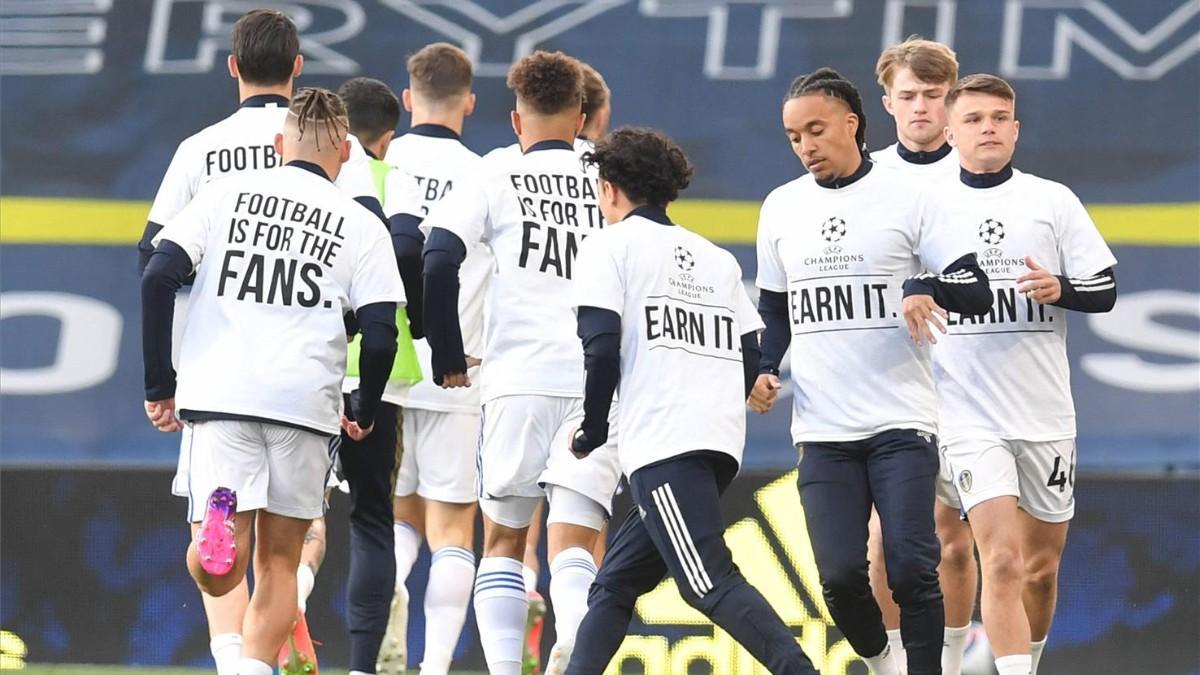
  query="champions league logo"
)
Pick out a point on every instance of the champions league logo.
point(683, 259)
point(991, 232)
point(833, 230)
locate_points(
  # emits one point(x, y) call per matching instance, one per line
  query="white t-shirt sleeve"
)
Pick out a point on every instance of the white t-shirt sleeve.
point(1081, 248)
point(178, 187)
point(401, 195)
point(464, 212)
point(355, 181)
point(597, 280)
point(191, 228)
point(771, 273)
point(375, 277)
point(748, 316)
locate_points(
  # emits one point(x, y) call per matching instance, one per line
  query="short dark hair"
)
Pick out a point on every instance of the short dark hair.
point(372, 106)
point(265, 44)
point(830, 82)
point(981, 83)
point(440, 71)
point(595, 90)
point(648, 167)
point(549, 82)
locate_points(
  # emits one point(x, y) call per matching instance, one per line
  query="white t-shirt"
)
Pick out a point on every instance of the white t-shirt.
point(943, 168)
point(582, 145)
point(532, 210)
point(842, 256)
point(683, 312)
point(355, 177)
point(280, 256)
point(429, 166)
point(1005, 373)
point(244, 141)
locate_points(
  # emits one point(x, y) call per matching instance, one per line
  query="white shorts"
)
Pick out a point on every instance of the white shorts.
point(1040, 474)
point(944, 483)
point(523, 448)
point(279, 469)
point(438, 461)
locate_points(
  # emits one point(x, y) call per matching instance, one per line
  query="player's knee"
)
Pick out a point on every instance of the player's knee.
point(843, 580)
point(913, 582)
point(1041, 574)
point(607, 591)
point(958, 553)
point(1003, 565)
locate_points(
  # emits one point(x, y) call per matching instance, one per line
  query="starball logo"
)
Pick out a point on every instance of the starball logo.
point(833, 230)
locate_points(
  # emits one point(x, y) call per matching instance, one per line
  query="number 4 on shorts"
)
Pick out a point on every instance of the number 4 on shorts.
point(1058, 476)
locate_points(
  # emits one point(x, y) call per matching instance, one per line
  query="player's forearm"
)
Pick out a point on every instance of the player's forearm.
point(600, 332)
point(962, 287)
point(773, 309)
point(751, 360)
point(164, 274)
point(444, 253)
point(378, 351)
point(407, 242)
point(1094, 294)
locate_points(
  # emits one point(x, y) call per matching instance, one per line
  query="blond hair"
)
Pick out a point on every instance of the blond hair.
point(930, 62)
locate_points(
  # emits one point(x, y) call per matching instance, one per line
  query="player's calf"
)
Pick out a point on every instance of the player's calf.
point(219, 553)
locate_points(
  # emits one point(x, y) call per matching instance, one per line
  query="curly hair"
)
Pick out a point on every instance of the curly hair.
point(830, 82)
point(646, 165)
point(549, 82)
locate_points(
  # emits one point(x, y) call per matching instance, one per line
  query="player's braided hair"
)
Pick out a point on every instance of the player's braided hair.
point(322, 109)
point(647, 166)
point(831, 83)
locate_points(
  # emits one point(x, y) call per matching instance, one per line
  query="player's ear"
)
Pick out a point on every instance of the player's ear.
point(470, 107)
point(516, 122)
point(344, 151)
point(231, 63)
point(581, 123)
point(1017, 129)
point(948, 133)
point(298, 66)
point(279, 144)
point(386, 139)
point(887, 104)
point(406, 99)
point(852, 123)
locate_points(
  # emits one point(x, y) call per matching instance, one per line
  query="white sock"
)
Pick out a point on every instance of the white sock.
point(249, 666)
point(531, 578)
point(1017, 664)
point(501, 607)
point(407, 548)
point(954, 641)
point(227, 651)
point(883, 663)
point(451, 575)
point(897, 645)
point(305, 579)
point(1036, 649)
point(571, 575)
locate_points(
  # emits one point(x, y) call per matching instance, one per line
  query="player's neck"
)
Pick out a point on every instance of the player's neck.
point(247, 90)
point(452, 121)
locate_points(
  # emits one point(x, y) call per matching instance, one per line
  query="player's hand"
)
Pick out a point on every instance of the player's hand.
point(355, 432)
point(923, 315)
point(473, 361)
point(162, 415)
point(766, 390)
point(1039, 285)
point(580, 445)
point(458, 380)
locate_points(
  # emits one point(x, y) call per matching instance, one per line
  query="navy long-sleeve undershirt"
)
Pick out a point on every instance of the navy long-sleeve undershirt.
point(442, 257)
point(407, 243)
point(1095, 294)
point(962, 287)
point(777, 337)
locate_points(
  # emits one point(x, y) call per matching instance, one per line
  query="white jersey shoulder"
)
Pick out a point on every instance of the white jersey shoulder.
point(1005, 373)
point(683, 310)
point(532, 211)
point(280, 257)
point(244, 141)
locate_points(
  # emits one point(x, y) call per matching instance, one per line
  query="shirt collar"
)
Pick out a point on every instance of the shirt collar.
point(843, 181)
point(985, 180)
point(434, 131)
point(309, 167)
point(368, 151)
point(658, 215)
point(264, 100)
point(551, 144)
point(922, 156)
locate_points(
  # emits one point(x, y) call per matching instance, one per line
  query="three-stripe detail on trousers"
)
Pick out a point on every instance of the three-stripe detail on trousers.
point(681, 539)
